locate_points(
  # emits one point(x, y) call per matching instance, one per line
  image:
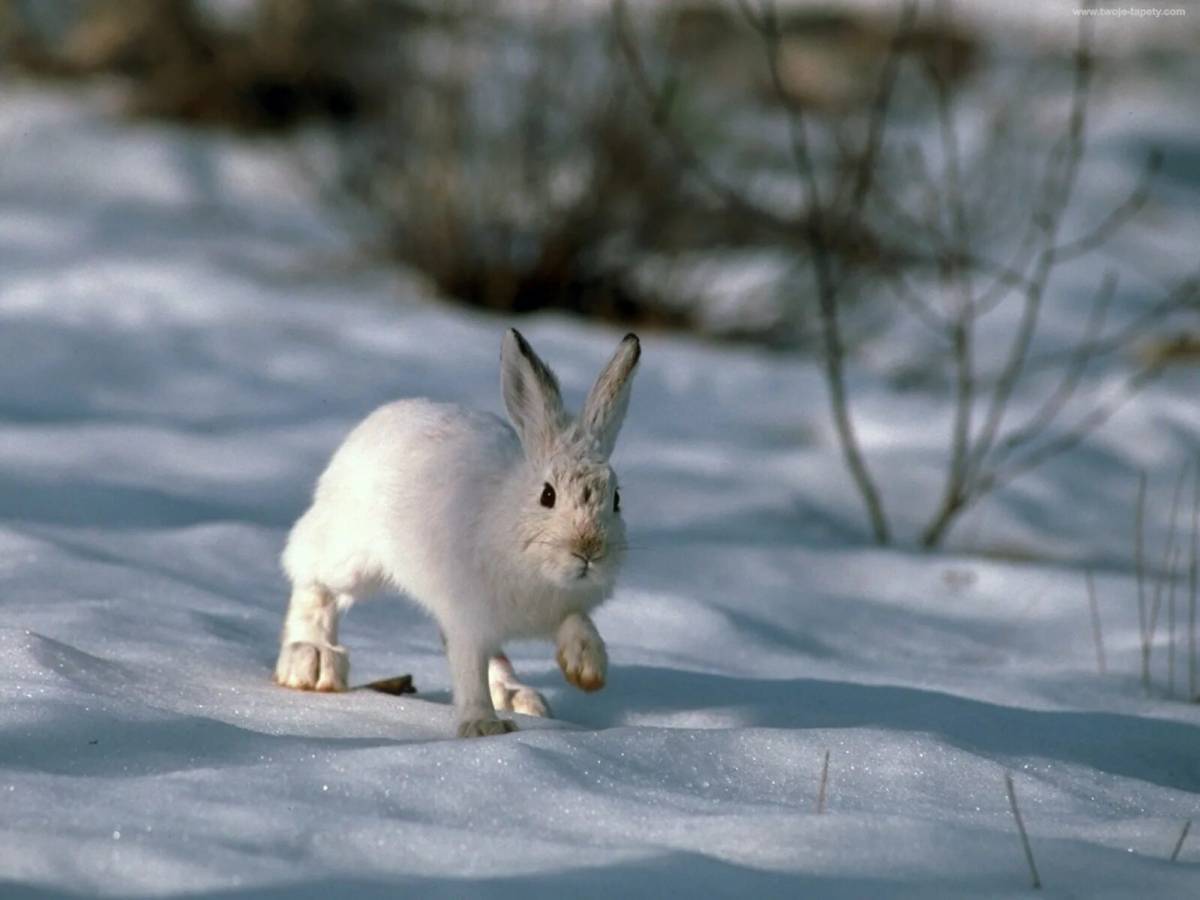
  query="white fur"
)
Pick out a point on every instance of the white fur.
point(443, 503)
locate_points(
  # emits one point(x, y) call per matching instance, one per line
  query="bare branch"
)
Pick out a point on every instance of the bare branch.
point(931, 191)
point(909, 223)
point(827, 281)
point(658, 104)
point(916, 304)
point(767, 26)
point(1115, 220)
point(867, 161)
point(1182, 297)
point(948, 135)
point(1057, 194)
point(1009, 276)
point(1061, 396)
point(962, 326)
point(1073, 436)
point(993, 479)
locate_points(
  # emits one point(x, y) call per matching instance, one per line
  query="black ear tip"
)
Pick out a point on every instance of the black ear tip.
point(522, 344)
point(632, 339)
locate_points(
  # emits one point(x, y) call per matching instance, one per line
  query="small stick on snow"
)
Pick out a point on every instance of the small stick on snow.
point(1187, 826)
point(398, 686)
point(1097, 633)
point(824, 784)
point(1012, 802)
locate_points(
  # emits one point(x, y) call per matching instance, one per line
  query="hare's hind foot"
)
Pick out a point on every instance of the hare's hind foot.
point(310, 658)
point(510, 694)
point(312, 667)
point(527, 702)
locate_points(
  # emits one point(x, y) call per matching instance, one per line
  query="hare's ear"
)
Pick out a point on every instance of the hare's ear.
point(604, 409)
point(530, 394)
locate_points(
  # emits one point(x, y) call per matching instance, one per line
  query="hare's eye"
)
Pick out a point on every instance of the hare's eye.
point(547, 496)
point(616, 501)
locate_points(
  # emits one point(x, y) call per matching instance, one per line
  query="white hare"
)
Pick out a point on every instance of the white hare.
point(499, 534)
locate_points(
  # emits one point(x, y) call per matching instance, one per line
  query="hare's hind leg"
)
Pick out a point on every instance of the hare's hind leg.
point(310, 658)
point(509, 693)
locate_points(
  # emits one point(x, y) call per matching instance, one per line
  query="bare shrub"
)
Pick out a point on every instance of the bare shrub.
point(512, 168)
point(267, 66)
point(931, 221)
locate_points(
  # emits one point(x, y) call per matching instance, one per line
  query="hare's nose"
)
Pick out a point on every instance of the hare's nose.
point(589, 547)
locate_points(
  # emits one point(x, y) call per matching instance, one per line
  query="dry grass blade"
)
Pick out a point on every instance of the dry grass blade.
point(1171, 634)
point(821, 792)
point(1166, 578)
point(1097, 633)
point(1016, 812)
point(1187, 826)
point(1193, 563)
point(1139, 561)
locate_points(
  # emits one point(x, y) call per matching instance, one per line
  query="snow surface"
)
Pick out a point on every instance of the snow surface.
point(183, 341)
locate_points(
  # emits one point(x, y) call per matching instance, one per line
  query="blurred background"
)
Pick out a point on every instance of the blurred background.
point(922, 275)
point(508, 152)
point(976, 205)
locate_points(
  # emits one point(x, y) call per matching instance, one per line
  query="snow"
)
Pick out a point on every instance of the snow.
point(183, 345)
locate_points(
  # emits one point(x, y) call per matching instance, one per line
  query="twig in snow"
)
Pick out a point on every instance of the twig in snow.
point(1187, 826)
point(824, 784)
point(1012, 802)
point(1097, 634)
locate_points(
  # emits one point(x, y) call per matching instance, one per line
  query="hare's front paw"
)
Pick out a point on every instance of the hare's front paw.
point(583, 660)
point(484, 727)
point(312, 667)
